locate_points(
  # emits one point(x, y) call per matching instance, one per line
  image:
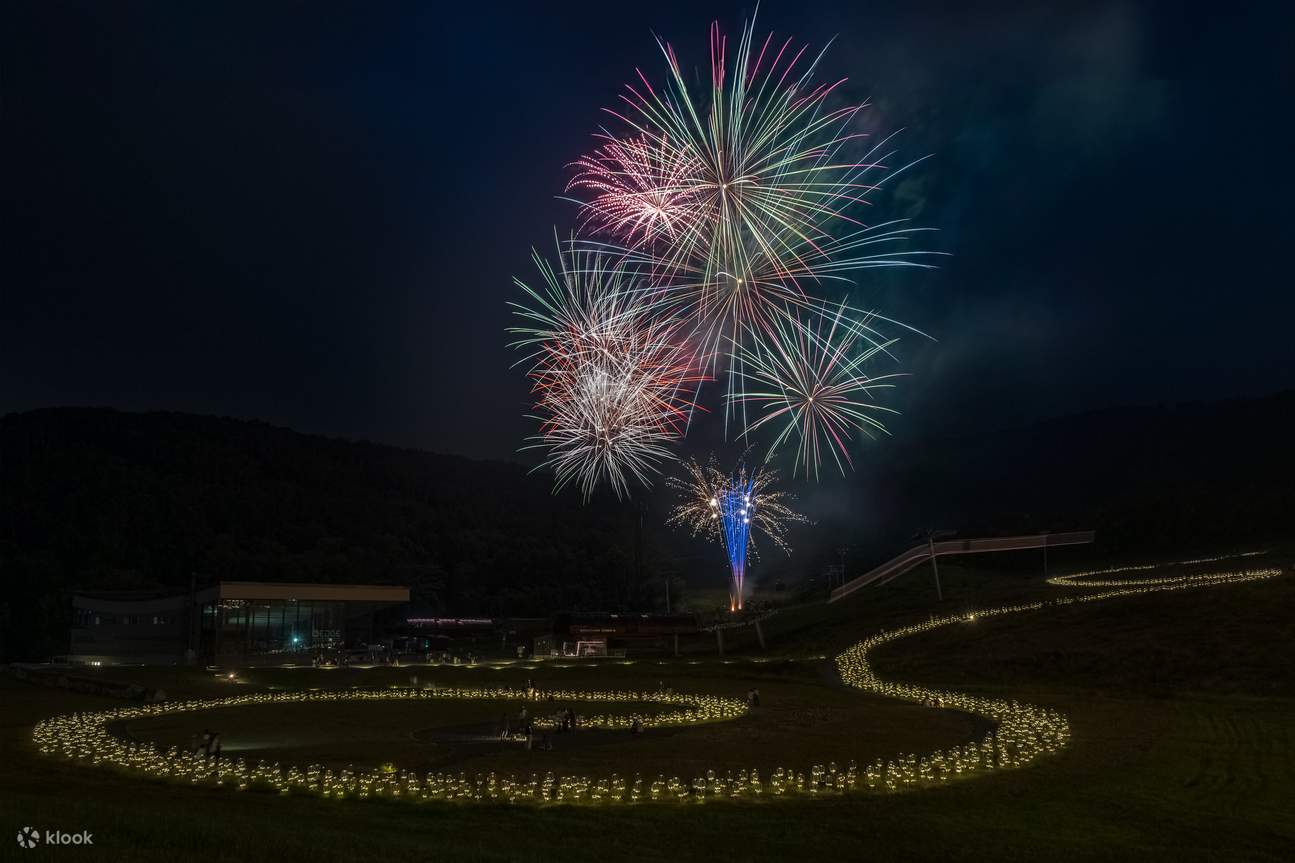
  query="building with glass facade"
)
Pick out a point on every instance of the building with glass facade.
point(227, 623)
point(241, 619)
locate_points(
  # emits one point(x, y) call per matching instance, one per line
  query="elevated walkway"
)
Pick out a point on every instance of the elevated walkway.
point(919, 554)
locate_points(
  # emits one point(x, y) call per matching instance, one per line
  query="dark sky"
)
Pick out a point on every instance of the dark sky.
point(311, 213)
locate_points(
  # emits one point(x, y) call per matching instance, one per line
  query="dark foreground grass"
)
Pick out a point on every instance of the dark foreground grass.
point(1182, 707)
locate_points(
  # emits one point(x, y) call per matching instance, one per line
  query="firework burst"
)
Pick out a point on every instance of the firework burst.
point(642, 190)
point(612, 381)
point(719, 228)
point(811, 382)
point(743, 319)
point(754, 176)
point(742, 201)
point(726, 507)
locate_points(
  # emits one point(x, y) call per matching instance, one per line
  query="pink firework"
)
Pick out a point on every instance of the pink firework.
point(742, 200)
point(751, 176)
point(720, 234)
point(640, 190)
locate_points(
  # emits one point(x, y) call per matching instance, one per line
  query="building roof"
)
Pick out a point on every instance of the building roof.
point(142, 602)
point(305, 592)
point(127, 602)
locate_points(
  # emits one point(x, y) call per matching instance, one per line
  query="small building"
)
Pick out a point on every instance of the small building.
point(231, 622)
point(427, 632)
point(601, 634)
point(589, 625)
point(112, 627)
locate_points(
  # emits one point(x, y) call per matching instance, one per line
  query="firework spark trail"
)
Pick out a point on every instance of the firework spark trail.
point(612, 381)
point(765, 173)
point(742, 200)
point(719, 228)
point(725, 507)
point(641, 188)
point(743, 318)
point(811, 379)
point(735, 507)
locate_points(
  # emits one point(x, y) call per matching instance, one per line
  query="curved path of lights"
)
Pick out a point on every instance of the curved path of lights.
point(1023, 733)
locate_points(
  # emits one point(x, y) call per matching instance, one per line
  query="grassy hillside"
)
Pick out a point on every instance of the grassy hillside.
point(1182, 707)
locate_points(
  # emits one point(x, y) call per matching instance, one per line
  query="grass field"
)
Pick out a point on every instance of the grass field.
point(1182, 708)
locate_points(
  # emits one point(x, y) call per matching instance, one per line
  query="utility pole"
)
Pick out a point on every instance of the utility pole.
point(935, 567)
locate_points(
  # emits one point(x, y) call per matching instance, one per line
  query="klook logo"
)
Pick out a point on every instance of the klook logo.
point(30, 837)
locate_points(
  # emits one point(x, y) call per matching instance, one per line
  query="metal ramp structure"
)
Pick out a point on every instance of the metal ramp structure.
point(919, 554)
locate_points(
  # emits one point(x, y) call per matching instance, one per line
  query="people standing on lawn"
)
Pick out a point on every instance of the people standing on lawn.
point(210, 746)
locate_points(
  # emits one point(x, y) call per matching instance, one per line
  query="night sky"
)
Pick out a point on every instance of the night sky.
point(311, 213)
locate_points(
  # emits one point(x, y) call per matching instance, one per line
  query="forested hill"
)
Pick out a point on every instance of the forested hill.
point(104, 498)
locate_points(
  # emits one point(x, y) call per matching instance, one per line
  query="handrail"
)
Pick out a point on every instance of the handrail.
point(918, 554)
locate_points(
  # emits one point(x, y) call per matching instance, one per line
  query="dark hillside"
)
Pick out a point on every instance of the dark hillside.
point(102, 498)
point(98, 498)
